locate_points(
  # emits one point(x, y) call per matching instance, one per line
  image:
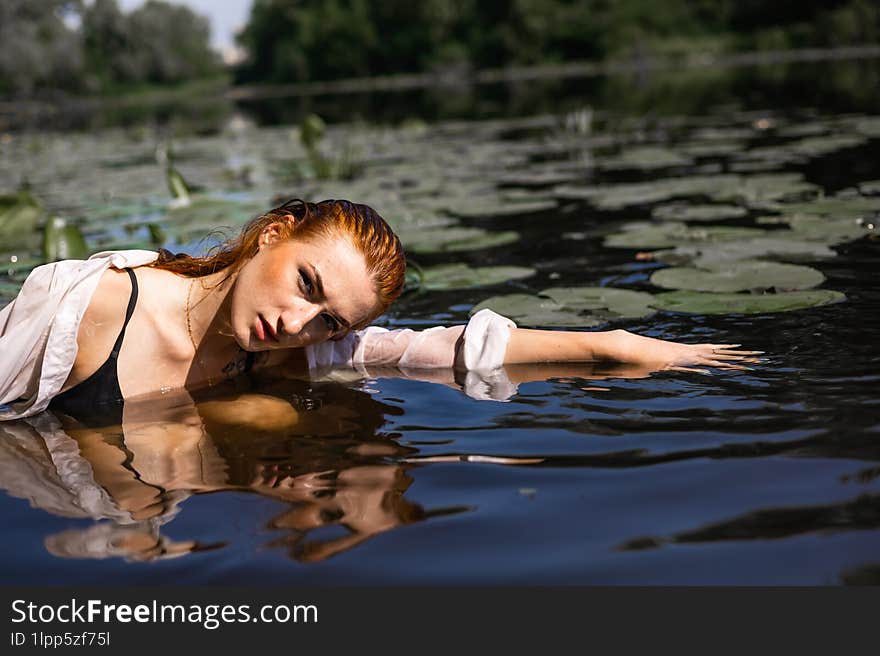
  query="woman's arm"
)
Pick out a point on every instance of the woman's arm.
point(620, 346)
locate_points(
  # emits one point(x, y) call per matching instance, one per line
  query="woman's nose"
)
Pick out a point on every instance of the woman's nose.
point(295, 320)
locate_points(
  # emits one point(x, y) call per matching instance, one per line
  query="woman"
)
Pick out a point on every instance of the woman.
point(296, 289)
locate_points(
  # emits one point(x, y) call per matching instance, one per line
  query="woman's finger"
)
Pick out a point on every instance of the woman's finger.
point(691, 370)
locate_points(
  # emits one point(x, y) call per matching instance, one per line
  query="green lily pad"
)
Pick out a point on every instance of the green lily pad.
point(685, 212)
point(607, 300)
point(766, 187)
point(461, 276)
point(818, 146)
point(647, 235)
point(20, 216)
point(776, 246)
point(205, 214)
point(868, 126)
point(821, 229)
point(8, 291)
point(645, 158)
point(870, 188)
point(63, 241)
point(529, 310)
point(177, 186)
point(839, 207)
point(571, 306)
point(721, 188)
point(499, 208)
point(455, 239)
point(530, 179)
point(709, 303)
point(742, 275)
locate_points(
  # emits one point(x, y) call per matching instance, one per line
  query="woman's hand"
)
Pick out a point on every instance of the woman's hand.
point(529, 346)
point(659, 354)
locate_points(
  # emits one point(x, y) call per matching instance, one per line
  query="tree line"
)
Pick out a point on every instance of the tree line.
point(309, 40)
point(71, 46)
point(75, 46)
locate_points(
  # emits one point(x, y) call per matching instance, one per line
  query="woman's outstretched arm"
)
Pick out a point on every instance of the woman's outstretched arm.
point(621, 346)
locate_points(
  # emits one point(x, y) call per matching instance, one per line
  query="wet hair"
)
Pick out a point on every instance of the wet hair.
point(368, 232)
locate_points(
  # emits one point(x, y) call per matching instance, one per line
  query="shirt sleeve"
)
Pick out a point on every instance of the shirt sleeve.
point(483, 344)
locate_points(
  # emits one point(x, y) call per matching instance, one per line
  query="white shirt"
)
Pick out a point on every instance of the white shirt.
point(38, 332)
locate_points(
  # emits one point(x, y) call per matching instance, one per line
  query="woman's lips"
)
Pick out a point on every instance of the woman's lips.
point(265, 329)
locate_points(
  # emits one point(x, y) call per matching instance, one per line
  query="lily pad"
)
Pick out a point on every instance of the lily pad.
point(870, 188)
point(821, 229)
point(742, 275)
point(766, 187)
point(776, 246)
point(20, 216)
point(8, 291)
point(709, 303)
point(461, 276)
point(63, 241)
point(645, 158)
point(607, 300)
point(530, 310)
point(685, 212)
point(205, 214)
point(455, 239)
point(499, 208)
point(647, 235)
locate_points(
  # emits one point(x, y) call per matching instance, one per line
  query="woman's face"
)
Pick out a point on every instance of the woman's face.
point(293, 293)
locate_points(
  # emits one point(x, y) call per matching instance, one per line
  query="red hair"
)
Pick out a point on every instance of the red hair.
point(369, 234)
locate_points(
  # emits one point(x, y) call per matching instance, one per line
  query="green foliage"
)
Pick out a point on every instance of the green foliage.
point(76, 46)
point(307, 40)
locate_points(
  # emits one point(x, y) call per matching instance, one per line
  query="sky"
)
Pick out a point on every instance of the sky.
point(226, 16)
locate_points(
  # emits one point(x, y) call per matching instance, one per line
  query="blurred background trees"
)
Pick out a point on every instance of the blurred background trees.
point(91, 46)
point(76, 46)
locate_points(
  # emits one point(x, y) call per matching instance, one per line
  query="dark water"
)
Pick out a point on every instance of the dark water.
point(587, 475)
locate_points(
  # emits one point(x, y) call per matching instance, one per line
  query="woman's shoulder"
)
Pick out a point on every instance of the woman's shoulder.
point(105, 312)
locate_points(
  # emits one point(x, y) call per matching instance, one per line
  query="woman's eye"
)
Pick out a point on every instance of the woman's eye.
point(330, 322)
point(307, 282)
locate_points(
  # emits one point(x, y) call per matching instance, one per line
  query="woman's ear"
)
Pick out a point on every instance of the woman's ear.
point(277, 230)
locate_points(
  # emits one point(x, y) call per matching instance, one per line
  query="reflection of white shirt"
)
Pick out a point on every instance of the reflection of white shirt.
point(38, 333)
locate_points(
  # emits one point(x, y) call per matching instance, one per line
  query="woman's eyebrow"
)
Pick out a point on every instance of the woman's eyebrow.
point(320, 285)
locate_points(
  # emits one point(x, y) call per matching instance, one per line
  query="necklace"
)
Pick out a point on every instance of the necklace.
point(188, 324)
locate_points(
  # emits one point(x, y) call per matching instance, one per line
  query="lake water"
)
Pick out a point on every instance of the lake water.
point(585, 474)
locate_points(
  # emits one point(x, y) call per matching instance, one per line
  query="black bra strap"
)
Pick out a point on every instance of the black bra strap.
point(132, 302)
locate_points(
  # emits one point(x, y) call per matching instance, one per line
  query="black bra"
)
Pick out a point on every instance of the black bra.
point(98, 397)
point(97, 401)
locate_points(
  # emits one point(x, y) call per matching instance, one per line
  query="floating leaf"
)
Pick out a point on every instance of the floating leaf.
point(8, 291)
point(647, 235)
point(455, 239)
point(870, 188)
point(63, 241)
point(489, 207)
point(608, 300)
point(709, 303)
point(742, 275)
point(819, 228)
point(645, 158)
point(178, 187)
point(461, 276)
point(20, 216)
point(529, 310)
point(777, 247)
point(311, 130)
point(685, 212)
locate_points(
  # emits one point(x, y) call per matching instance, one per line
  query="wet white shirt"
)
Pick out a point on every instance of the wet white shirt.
point(38, 333)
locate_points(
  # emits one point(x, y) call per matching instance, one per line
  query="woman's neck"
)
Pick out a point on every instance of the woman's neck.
point(208, 314)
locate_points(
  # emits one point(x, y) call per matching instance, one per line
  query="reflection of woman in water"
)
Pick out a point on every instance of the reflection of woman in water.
point(297, 290)
point(138, 474)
